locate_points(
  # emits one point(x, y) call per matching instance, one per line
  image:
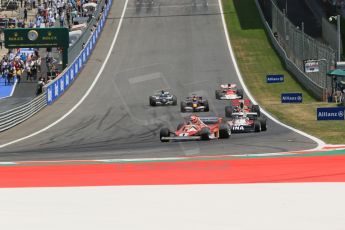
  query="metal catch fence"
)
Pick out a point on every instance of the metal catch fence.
point(297, 47)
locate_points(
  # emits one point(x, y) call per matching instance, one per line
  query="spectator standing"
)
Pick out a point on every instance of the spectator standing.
point(10, 76)
point(19, 76)
point(5, 75)
point(40, 85)
point(68, 14)
point(62, 19)
point(31, 24)
point(21, 3)
point(338, 96)
point(33, 68)
point(79, 6)
point(28, 72)
point(25, 14)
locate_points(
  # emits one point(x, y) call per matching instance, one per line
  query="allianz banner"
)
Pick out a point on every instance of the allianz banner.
point(291, 98)
point(331, 113)
point(275, 78)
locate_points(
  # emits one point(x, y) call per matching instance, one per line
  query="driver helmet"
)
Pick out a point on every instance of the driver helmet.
point(241, 105)
point(194, 119)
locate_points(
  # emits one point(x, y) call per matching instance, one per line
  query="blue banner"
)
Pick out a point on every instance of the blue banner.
point(80, 61)
point(84, 56)
point(331, 113)
point(76, 67)
point(55, 89)
point(71, 74)
point(102, 21)
point(50, 98)
point(88, 50)
point(60, 84)
point(275, 78)
point(291, 97)
point(67, 80)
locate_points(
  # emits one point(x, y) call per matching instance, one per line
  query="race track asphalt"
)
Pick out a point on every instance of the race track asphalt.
point(172, 45)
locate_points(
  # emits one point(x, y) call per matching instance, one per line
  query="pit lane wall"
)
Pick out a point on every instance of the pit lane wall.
point(60, 84)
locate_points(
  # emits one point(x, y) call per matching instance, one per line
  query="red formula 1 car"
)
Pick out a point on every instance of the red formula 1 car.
point(244, 105)
point(229, 92)
point(198, 128)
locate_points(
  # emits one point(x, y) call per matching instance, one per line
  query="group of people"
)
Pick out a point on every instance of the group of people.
point(15, 63)
point(50, 13)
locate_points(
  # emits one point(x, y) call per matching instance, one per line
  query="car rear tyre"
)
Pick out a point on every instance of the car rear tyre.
point(224, 131)
point(217, 94)
point(228, 111)
point(257, 126)
point(152, 101)
point(174, 100)
point(207, 108)
point(256, 109)
point(164, 132)
point(240, 93)
point(263, 124)
point(205, 134)
point(183, 106)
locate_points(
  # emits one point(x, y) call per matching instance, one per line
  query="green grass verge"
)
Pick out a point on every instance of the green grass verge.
point(257, 58)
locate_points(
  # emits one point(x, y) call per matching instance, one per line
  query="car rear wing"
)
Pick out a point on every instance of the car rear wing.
point(209, 120)
point(249, 114)
point(237, 102)
point(227, 86)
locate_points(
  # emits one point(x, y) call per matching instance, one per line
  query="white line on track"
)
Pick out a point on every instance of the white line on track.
point(87, 92)
point(317, 140)
point(14, 87)
point(12, 91)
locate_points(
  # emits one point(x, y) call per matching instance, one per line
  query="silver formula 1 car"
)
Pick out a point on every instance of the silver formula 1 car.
point(162, 97)
point(242, 122)
point(238, 105)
